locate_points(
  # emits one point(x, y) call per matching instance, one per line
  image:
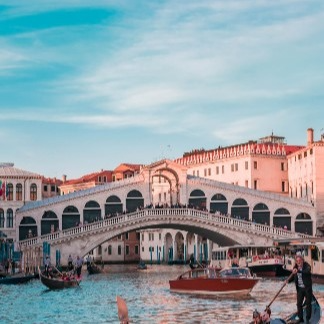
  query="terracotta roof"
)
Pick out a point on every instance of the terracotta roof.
point(128, 166)
point(89, 177)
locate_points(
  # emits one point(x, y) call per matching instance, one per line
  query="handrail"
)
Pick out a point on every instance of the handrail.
point(214, 219)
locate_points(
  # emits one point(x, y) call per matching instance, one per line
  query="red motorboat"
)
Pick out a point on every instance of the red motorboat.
point(210, 281)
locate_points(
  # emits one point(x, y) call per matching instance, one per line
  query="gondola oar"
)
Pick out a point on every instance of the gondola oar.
point(277, 294)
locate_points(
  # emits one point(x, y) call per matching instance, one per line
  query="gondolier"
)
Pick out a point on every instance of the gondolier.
point(78, 265)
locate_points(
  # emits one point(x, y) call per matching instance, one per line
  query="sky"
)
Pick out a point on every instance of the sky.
point(87, 85)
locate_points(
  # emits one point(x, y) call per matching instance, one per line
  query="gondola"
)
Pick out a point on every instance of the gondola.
point(58, 282)
point(293, 318)
point(18, 278)
point(92, 268)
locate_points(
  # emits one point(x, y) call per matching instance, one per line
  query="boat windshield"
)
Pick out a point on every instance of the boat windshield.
point(236, 272)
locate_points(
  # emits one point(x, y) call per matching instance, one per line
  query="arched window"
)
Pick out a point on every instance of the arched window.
point(19, 191)
point(33, 192)
point(109, 250)
point(2, 219)
point(9, 191)
point(9, 218)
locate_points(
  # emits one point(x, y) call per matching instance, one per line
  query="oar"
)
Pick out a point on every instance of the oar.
point(277, 294)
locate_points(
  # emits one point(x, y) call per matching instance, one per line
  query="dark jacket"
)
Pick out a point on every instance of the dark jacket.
point(306, 275)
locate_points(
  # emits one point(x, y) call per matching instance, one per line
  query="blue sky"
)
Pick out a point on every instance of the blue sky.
point(87, 85)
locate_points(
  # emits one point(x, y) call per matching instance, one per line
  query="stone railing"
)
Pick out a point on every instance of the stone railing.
point(171, 213)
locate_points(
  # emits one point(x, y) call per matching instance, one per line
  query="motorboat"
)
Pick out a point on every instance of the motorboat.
point(210, 281)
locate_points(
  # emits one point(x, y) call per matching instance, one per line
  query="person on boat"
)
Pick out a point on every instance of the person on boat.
point(303, 281)
point(78, 266)
point(47, 266)
point(88, 261)
point(70, 262)
point(235, 263)
point(256, 318)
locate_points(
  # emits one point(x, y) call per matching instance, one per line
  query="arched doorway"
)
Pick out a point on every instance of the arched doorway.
point(219, 204)
point(304, 224)
point(113, 206)
point(134, 201)
point(261, 214)
point(282, 219)
point(197, 199)
point(27, 228)
point(240, 209)
point(70, 217)
point(91, 212)
point(49, 222)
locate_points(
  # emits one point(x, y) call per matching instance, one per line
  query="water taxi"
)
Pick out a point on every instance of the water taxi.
point(261, 260)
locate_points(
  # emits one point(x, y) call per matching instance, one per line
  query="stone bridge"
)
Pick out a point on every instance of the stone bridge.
point(222, 230)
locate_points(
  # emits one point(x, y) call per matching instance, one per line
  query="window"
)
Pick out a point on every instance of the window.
point(255, 184)
point(138, 236)
point(136, 249)
point(126, 236)
point(52, 188)
point(209, 171)
point(9, 191)
point(246, 165)
point(197, 173)
point(45, 188)
point(109, 250)
point(142, 248)
point(205, 172)
point(246, 183)
point(223, 169)
point(19, 192)
point(217, 170)
point(282, 166)
point(255, 164)
point(160, 236)
point(119, 237)
point(2, 219)
point(236, 166)
point(143, 237)
point(33, 192)
point(127, 249)
point(9, 218)
point(119, 250)
point(232, 167)
point(165, 196)
point(283, 187)
point(194, 173)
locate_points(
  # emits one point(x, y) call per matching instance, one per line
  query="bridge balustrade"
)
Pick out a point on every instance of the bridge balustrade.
point(143, 214)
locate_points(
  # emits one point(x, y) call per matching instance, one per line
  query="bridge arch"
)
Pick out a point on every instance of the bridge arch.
point(240, 209)
point(91, 212)
point(261, 214)
point(134, 201)
point(198, 199)
point(282, 218)
point(113, 206)
point(304, 224)
point(70, 217)
point(168, 247)
point(219, 203)
point(27, 228)
point(49, 222)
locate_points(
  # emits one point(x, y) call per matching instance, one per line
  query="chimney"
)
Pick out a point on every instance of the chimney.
point(64, 177)
point(310, 136)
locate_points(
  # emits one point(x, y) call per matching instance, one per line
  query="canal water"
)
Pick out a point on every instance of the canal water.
point(148, 298)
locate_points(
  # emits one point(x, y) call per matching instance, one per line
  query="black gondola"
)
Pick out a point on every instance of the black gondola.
point(92, 268)
point(18, 278)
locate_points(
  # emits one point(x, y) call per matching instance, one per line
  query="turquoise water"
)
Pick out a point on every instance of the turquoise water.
point(147, 295)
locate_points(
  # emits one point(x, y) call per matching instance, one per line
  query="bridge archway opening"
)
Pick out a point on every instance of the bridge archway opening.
point(197, 199)
point(261, 214)
point(91, 212)
point(70, 217)
point(172, 178)
point(240, 209)
point(49, 222)
point(304, 224)
point(134, 201)
point(168, 248)
point(161, 191)
point(282, 218)
point(179, 248)
point(219, 203)
point(27, 228)
point(113, 206)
